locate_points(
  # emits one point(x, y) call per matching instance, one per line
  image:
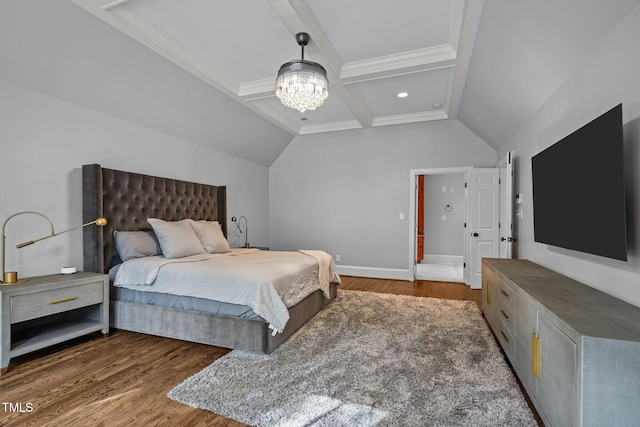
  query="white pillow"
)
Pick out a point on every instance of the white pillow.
point(177, 238)
point(211, 236)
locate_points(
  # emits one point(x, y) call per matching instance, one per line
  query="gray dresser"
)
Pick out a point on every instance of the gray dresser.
point(48, 310)
point(575, 349)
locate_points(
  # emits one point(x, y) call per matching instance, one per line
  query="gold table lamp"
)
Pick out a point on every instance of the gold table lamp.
point(11, 277)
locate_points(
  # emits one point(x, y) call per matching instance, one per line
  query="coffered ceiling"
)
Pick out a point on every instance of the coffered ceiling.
point(372, 51)
point(204, 71)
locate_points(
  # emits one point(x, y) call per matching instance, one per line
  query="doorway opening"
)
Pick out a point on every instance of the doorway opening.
point(441, 213)
point(487, 224)
point(438, 265)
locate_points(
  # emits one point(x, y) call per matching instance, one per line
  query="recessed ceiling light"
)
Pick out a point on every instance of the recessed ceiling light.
point(402, 94)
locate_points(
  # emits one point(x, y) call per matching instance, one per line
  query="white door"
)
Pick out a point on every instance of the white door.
point(506, 206)
point(483, 232)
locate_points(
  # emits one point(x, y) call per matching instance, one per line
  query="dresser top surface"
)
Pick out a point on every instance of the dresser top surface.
point(585, 309)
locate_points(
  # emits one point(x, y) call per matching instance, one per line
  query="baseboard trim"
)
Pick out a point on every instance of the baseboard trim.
point(377, 273)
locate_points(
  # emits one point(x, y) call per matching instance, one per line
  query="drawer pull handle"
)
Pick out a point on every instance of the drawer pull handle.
point(504, 314)
point(535, 355)
point(505, 336)
point(504, 293)
point(58, 301)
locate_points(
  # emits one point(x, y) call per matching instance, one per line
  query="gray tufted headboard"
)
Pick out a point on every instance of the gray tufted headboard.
point(127, 199)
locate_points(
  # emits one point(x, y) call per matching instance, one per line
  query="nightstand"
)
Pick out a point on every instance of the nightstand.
point(48, 310)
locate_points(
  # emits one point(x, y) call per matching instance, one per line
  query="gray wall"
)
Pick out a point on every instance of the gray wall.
point(43, 144)
point(343, 192)
point(609, 75)
point(443, 231)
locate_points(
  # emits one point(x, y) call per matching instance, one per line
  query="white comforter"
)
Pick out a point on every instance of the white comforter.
point(266, 281)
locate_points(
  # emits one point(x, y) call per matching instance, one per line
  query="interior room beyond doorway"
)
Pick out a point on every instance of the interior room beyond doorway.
point(443, 215)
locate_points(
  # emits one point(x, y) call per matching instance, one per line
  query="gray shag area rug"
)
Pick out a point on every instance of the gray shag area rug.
point(369, 359)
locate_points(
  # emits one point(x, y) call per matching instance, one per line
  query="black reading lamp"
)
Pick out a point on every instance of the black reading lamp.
point(246, 228)
point(11, 277)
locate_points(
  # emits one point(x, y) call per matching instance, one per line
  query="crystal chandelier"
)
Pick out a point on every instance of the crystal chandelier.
point(302, 84)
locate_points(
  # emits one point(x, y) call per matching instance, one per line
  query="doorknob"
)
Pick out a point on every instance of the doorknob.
point(475, 234)
point(502, 239)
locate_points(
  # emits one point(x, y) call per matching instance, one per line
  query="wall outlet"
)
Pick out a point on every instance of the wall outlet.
point(337, 258)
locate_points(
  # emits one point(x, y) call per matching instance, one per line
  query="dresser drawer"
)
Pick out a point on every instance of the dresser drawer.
point(506, 295)
point(40, 304)
point(506, 340)
point(506, 305)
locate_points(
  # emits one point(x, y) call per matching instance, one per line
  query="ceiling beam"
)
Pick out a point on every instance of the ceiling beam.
point(468, 30)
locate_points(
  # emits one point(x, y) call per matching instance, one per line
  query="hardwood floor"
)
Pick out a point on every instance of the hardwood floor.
point(124, 379)
point(119, 380)
point(419, 288)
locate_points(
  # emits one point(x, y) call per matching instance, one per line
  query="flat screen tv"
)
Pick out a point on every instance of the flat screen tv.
point(578, 190)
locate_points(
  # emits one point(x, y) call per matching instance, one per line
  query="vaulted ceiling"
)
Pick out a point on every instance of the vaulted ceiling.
point(372, 51)
point(204, 70)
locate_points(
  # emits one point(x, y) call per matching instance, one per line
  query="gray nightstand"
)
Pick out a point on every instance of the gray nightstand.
point(48, 310)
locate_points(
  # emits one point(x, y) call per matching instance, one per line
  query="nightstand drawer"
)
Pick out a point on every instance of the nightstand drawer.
point(40, 304)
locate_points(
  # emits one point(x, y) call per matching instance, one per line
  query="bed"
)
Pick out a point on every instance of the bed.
point(127, 200)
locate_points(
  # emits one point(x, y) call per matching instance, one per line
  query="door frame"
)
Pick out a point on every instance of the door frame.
point(507, 167)
point(413, 207)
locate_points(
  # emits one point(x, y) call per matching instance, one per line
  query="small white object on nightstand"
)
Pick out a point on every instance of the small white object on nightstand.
point(68, 270)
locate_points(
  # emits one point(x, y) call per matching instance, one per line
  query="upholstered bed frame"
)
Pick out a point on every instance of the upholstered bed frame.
point(126, 200)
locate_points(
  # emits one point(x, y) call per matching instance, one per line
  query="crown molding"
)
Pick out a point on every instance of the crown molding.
point(400, 63)
point(330, 127)
point(402, 119)
point(456, 26)
point(113, 4)
point(257, 89)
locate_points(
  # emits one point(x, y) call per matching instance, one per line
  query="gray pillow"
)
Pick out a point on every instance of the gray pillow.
point(177, 238)
point(136, 244)
point(211, 236)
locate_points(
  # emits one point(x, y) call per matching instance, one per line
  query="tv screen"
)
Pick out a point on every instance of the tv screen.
point(578, 190)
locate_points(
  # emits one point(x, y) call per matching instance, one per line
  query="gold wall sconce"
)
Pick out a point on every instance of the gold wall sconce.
point(11, 277)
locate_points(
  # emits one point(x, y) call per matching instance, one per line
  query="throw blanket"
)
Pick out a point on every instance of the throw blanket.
point(266, 281)
point(326, 268)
